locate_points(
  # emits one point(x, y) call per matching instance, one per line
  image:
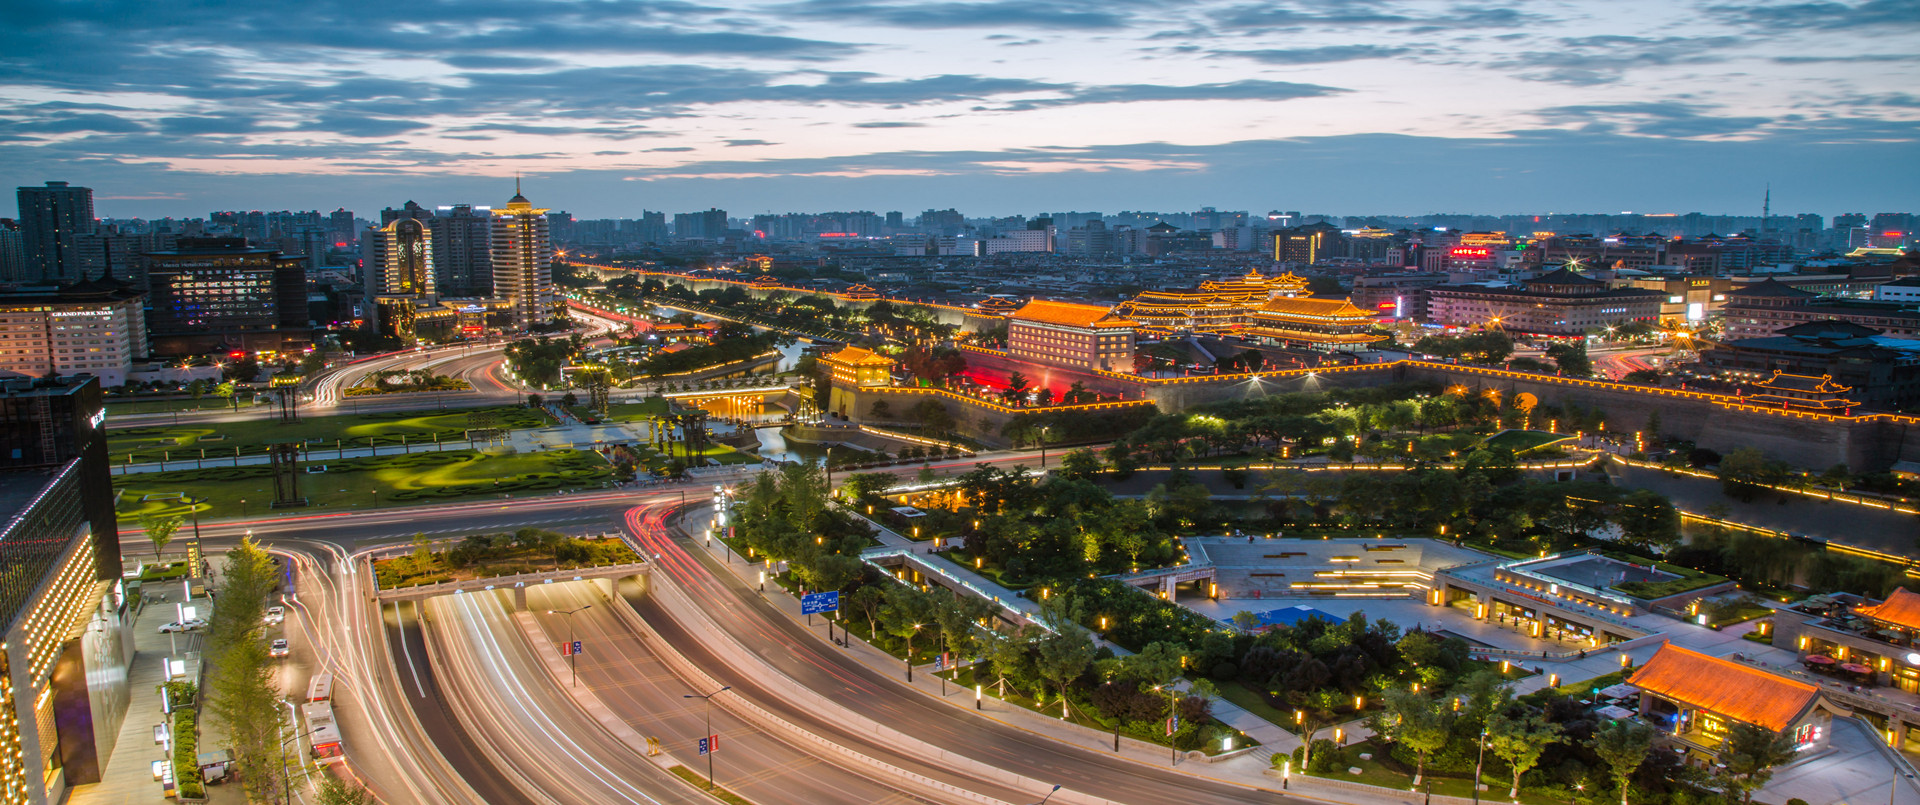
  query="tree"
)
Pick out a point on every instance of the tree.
point(1077, 394)
point(1316, 713)
point(1064, 655)
point(1420, 724)
point(1520, 741)
point(1623, 746)
point(1016, 389)
point(867, 601)
point(1648, 519)
point(337, 791)
point(1744, 471)
point(1081, 463)
point(1571, 357)
point(1750, 755)
point(159, 531)
point(243, 692)
point(880, 410)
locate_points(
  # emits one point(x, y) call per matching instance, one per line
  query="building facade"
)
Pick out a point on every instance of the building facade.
point(1693, 700)
point(1067, 334)
point(1878, 372)
point(523, 262)
point(854, 368)
point(52, 219)
point(1561, 303)
point(1765, 308)
point(68, 646)
point(96, 327)
point(405, 277)
point(1213, 307)
point(1326, 324)
point(462, 254)
point(213, 295)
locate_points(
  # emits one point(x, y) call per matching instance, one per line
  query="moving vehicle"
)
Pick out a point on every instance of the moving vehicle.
point(276, 615)
point(318, 711)
point(279, 648)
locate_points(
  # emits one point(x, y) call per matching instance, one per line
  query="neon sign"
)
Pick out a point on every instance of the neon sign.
point(1470, 252)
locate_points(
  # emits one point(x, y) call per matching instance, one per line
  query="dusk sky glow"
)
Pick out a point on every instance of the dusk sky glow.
point(1341, 106)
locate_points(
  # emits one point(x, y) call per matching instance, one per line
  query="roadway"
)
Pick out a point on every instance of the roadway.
point(803, 656)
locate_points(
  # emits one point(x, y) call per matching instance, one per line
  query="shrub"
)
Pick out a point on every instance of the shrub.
point(1326, 755)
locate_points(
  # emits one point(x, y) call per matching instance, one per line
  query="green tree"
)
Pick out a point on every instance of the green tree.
point(243, 691)
point(1419, 723)
point(880, 410)
point(159, 531)
point(1750, 755)
point(1157, 664)
point(1317, 710)
point(1082, 463)
point(1571, 357)
point(338, 791)
point(1063, 656)
point(1520, 740)
point(1623, 746)
point(1016, 392)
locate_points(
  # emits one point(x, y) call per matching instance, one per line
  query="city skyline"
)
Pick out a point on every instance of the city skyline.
point(1389, 108)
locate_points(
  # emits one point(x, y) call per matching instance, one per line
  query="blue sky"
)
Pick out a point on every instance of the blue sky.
point(994, 107)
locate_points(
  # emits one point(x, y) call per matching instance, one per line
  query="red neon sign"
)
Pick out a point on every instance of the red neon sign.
point(1471, 252)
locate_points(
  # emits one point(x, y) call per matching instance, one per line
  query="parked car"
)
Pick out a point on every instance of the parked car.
point(183, 626)
point(279, 648)
point(276, 615)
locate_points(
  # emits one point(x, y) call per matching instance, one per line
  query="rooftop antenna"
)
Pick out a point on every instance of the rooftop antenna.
point(516, 183)
point(1766, 209)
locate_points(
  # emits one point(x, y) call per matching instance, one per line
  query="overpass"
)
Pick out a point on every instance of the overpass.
point(518, 583)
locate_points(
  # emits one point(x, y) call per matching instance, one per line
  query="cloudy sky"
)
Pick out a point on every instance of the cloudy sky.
point(991, 106)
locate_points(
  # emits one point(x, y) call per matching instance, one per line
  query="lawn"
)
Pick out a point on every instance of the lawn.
point(387, 429)
point(1521, 441)
point(1375, 772)
point(634, 411)
point(120, 406)
point(1251, 701)
point(365, 482)
point(406, 570)
point(698, 780)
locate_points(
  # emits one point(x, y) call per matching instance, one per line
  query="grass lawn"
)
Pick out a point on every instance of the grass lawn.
point(1520, 441)
point(397, 480)
point(1690, 579)
point(185, 441)
point(727, 455)
point(631, 411)
point(1374, 772)
point(1249, 700)
point(699, 781)
point(405, 571)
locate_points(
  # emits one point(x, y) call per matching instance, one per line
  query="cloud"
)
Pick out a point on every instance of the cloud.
point(1604, 59)
point(1003, 14)
point(1319, 55)
point(1867, 17)
point(357, 126)
point(740, 143)
point(1655, 119)
point(1248, 90)
point(888, 124)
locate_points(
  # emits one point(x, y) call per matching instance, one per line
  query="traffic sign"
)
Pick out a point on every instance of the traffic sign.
point(709, 744)
point(569, 649)
point(819, 602)
point(576, 647)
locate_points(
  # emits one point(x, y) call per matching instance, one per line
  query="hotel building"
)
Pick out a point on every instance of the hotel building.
point(523, 261)
point(1068, 334)
point(64, 686)
point(404, 280)
point(220, 294)
point(1561, 303)
point(94, 327)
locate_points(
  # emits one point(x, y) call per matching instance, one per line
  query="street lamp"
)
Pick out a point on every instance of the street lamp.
point(573, 657)
point(1043, 445)
point(284, 773)
point(916, 630)
point(1478, 764)
point(710, 746)
point(1043, 800)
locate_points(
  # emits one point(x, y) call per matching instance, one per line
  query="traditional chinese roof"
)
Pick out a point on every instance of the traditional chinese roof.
point(1724, 687)
point(1900, 609)
point(1069, 314)
point(766, 280)
point(1307, 307)
point(1803, 383)
point(1771, 287)
point(855, 356)
point(861, 292)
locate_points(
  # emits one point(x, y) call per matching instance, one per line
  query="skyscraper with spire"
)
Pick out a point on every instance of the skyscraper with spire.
point(523, 260)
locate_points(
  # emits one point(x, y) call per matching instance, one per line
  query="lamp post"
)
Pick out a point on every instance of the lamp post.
point(1043, 800)
point(916, 630)
point(573, 657)
point(284, 773)
point(193, 506)
point(1479, 763)
point(1043, 445)
point(710, 747)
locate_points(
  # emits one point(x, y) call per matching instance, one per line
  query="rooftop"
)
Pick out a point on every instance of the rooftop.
point(858, 356)
point(1069, 314)
point(1740, 692)
point(1900, 609)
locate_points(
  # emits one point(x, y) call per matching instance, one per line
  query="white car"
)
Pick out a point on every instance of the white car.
point(279, 648)
point(276, 615)
point(183, 626)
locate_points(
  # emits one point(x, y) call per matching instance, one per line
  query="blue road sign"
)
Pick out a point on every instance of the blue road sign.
point(709, 744)
point(576, 647)
point(703, 746)
point(819, 602)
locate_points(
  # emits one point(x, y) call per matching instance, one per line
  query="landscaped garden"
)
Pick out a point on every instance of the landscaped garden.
point(363, 482)
point(482, 556)
point(346, 431)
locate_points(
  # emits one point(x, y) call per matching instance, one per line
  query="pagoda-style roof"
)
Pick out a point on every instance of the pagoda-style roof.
point(856, 356)
point(1726, 688)
point(861, 292)
point(998, 304)
point(1563, 276)
point(1901, 609)
point(1307, 307)
point(1804, 384)
point(1069, 314)
point(766, 281)
point(1771, 287)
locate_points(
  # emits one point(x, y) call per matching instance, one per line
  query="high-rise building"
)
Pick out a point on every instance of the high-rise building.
point(462, 258)
point(13, 260)
point(405, 277)
point(220, 295)
point(52, 219)
point(407, 210)
point(523, 261)
point(709, 225)
point(92, 327)
point(68, 642)
point(340, 227)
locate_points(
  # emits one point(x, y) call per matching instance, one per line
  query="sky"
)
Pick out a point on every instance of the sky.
point(993, 107)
